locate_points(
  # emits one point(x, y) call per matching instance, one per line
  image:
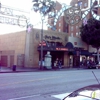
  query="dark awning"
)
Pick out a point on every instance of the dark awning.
point(69, 45)
point(85, 52)
point(81, 52)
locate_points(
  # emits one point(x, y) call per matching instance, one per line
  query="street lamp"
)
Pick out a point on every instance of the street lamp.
point(45, 7)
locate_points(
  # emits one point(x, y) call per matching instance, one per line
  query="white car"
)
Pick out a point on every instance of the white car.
point(91, 92)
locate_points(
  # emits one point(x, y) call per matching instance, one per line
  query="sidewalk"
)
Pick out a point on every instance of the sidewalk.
point(18, 69)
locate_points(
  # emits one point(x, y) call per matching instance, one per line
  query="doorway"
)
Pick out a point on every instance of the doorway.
point(57, 54)
point(76, 61)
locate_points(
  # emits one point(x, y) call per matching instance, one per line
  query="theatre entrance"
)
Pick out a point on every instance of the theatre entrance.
point(57, 54)
point(56, 50)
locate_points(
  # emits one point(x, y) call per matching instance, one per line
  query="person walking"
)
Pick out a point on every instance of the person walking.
point(60, 64)
point(56, 64)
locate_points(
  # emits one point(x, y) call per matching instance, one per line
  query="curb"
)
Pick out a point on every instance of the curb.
point(15, 71)
point(43, 70)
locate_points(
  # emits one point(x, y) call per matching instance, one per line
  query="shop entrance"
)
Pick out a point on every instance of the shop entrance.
point(54, 55)
point(57, 54)
point(76, 61)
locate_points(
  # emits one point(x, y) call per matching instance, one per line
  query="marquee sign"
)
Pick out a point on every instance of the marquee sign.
point(52, 37)
point(62, 49)
point(51, 48)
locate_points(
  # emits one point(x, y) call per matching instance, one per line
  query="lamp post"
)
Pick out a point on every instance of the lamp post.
point(44, 7)
point(41, 46)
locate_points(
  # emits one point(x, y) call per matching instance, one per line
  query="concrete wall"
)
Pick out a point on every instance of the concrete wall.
point(13, 44)
point(25, 44)
point(22, 43)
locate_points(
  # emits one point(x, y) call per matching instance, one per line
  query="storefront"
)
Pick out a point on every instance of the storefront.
point(24, 49)
point(57, 50)
point(53, 41)
point(78, 55)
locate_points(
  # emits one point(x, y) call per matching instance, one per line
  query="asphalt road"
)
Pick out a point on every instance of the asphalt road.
point(43, 85)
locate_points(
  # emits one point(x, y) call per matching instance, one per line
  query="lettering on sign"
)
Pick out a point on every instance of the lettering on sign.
point(52, 37)
point(62, 49)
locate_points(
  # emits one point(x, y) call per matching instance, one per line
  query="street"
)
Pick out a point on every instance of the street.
point(44, 85)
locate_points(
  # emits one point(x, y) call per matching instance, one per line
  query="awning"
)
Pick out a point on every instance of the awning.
point(85, 52)
point(80, 52)
point(69, 45)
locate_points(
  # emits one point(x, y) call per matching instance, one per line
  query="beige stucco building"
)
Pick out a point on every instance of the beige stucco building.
point(11, 46)
point(23, 48)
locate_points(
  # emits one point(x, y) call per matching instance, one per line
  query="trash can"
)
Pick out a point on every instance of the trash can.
point(14, 68)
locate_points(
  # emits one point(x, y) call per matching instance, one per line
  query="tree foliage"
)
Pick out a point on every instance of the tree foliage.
point(90, 33)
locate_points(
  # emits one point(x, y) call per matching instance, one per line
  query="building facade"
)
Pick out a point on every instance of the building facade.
point(61, 25)
point(24, 49)
point(12, 48)
point(84, 5)
point(73, 31)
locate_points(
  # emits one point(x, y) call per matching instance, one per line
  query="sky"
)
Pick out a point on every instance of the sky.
point(25, 5)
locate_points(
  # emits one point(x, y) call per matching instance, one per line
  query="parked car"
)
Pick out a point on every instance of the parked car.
point(98, 65)
point(92, 66)
point(91, 92)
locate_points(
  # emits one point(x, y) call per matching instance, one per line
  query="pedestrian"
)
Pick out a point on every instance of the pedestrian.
point(56, 64)
point(43, 64)
point(60, 64)
point(39, 63)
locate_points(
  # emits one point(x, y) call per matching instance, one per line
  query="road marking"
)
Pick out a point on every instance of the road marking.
point(24, 97)
point(35, 80)
point(61, 96)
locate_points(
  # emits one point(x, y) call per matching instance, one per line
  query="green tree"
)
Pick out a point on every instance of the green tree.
point(90, 34)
